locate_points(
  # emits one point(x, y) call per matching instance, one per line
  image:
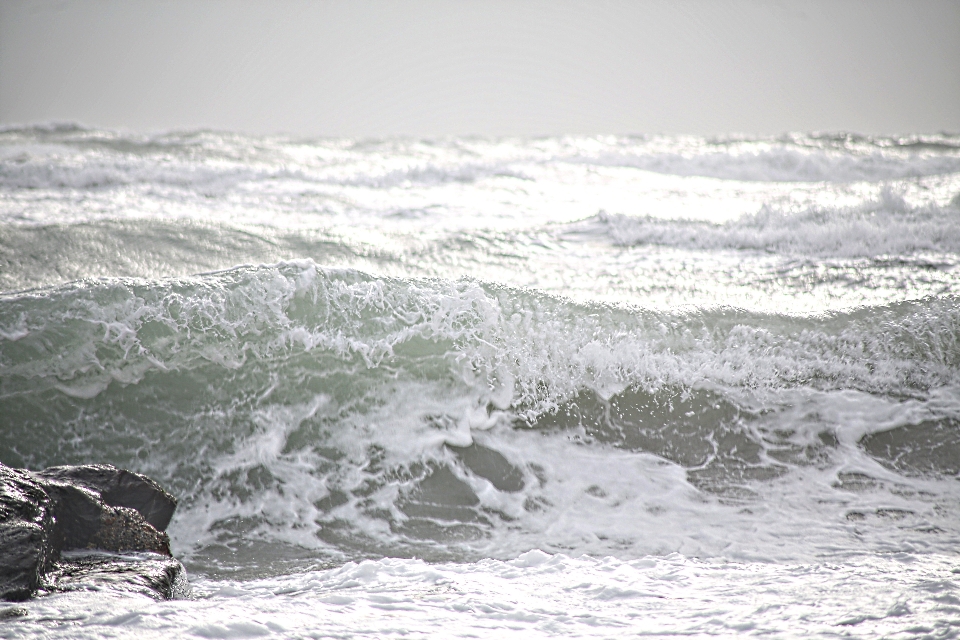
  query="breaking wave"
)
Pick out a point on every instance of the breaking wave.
point(305, 412)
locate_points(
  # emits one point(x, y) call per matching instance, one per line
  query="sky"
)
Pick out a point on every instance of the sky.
point(493, 67)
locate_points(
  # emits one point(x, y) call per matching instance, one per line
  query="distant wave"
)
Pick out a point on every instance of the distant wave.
point(785, 164)
point(887, 226)
point(66, 156)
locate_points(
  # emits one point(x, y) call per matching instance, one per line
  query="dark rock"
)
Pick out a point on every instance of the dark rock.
point(120, 488)
point(149, 574)
point(28, 538)
point(87, 507)
point(12, 612)
point(123, 529)
point(77, 513)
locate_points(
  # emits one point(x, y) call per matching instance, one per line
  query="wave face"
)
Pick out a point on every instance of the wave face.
point(337, 351)
point(302, 411)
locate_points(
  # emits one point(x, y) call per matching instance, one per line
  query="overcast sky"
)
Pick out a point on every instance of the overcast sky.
point(494, 67)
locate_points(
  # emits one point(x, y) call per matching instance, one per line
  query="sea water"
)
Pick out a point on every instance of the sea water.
point(524, 387)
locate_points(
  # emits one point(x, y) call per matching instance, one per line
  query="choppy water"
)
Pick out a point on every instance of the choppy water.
point(490, 388)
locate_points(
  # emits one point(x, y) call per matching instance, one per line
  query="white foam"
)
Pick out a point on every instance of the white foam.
point(535, 595)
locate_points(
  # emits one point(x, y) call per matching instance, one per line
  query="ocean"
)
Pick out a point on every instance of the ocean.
point(594, 387)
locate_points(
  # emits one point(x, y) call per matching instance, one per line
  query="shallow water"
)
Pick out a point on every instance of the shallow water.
point(559, 386)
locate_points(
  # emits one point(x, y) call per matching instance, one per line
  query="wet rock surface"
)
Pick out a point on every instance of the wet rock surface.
point(29, 541)
point(55, 525)
point(119, 488)
point(150, 574)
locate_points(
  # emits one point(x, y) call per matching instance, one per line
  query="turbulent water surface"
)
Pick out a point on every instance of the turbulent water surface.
point(570, 386)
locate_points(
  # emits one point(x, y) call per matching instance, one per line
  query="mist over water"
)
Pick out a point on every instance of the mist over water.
point(502, 385)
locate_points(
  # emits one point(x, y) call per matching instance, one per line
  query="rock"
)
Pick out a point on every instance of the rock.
point(28, 538)
point(90, 507)
point(120, 488)
point(158, 577)
point(123, 529)
point(12, 612)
